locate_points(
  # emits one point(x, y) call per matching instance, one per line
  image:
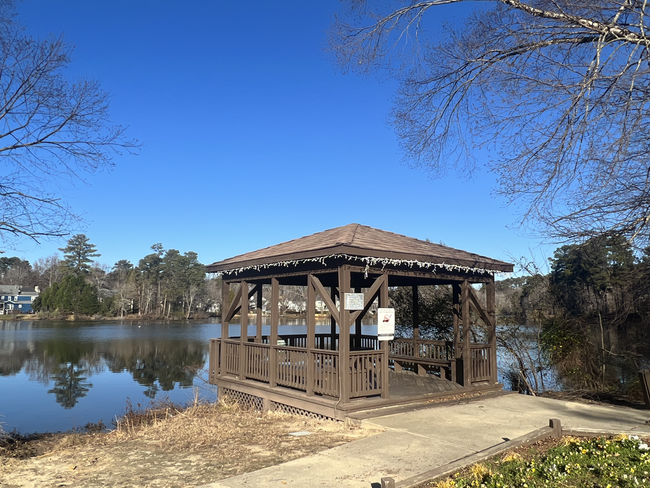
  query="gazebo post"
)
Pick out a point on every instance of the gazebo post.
point(416, 324)
point(311, 335)
point(258, 335)
point(225, 326)
point(344, 335)
point(416, 327)
point(243, 335)
point(456, 375)
point(416, 313)
point(357, 325)
point(333, 322)
point(455, 294)
point(275, 320)
point(225, 306)
point(467, 353)
point(490, 291)
point(383, 303)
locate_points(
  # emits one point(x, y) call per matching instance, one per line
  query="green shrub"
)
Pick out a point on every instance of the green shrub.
point(72, 294)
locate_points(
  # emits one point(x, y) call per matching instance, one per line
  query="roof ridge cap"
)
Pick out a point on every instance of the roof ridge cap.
point(353, 229)
point(348, 237)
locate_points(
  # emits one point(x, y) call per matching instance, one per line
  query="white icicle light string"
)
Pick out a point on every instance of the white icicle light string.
point(369, 261)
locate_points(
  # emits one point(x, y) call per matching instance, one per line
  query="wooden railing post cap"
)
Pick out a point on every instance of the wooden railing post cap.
point(556, 425)
point(387, 483)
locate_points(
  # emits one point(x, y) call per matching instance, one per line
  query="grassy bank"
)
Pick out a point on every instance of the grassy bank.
point(167, 446)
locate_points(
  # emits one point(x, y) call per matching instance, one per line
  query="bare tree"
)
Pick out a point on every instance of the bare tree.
point(190, 294)
point(48, 269)
point(98, 275)
point(126, 292)
point(213, 294)
point(15, 271)
point(51, 131)
point(558, 90)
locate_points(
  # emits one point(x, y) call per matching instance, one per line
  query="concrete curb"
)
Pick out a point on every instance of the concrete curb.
point(552, 430)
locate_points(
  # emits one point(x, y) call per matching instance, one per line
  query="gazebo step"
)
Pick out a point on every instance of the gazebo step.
point(407, 383)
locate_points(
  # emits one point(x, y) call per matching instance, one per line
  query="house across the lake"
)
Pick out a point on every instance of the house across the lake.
point(17, 299)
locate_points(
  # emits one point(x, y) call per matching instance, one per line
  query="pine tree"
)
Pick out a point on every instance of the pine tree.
point(77, 255)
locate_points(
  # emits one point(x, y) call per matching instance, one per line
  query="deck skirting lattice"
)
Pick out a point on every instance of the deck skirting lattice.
point(281, 407)
point(245, 400)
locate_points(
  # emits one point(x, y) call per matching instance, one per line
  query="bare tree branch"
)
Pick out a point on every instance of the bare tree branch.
point(560, 89)
point(51, 131)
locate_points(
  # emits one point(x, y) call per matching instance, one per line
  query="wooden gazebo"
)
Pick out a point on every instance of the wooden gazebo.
point(345, 371)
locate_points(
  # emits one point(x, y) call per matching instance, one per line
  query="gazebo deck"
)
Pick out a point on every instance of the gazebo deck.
point(406, 388)
point(290, 389)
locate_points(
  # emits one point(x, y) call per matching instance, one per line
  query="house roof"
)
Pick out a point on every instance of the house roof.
point(359, 241)
point(9, 289)
point(29, 290)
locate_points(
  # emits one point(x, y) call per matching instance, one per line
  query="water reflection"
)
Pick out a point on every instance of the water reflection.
point(69, 384)
point(62, 375)
point(89, 369)
point(167, 364)
point(159, 357)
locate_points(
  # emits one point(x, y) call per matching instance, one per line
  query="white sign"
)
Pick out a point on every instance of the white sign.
point(385, 324)
point(354, 301)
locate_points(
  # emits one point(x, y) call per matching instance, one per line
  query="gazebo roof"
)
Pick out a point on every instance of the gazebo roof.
point(366, 244)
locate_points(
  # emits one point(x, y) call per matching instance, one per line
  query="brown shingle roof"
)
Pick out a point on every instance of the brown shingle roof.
point(359, 240)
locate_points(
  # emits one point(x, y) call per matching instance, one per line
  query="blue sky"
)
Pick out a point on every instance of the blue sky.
point(251, 136)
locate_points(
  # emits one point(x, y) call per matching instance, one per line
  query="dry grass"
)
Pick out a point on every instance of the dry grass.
point(213, 426)
point(170, 446)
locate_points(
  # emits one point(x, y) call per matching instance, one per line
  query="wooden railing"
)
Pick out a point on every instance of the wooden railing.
point(324, 341)
point(291, 370)
point(481, 369)
point(214, 360)
point(326, 372)
point(257, 361)
point(321, 341)
point(292, 367)
point(365, 368)
point(364, 343)
point(421, 348)
point(230, 356)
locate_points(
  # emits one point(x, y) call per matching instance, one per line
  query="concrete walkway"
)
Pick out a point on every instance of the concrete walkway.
point(418, 441)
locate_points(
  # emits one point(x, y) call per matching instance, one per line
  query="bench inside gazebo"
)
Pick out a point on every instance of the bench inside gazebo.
point(343, 371)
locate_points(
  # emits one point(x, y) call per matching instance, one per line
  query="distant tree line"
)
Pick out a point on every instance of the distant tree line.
point(592, 312)
point(165, 283)
point(588, 319)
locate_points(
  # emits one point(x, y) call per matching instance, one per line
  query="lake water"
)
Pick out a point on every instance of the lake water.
point(56, 376)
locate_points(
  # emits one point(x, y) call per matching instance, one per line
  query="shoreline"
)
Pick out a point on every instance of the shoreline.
point(131, 318)
point(197, 445)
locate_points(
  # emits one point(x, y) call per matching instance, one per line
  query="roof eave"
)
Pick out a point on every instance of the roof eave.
point(490, 265)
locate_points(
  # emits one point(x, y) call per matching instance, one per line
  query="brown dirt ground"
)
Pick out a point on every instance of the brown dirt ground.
point(168, 448)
